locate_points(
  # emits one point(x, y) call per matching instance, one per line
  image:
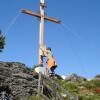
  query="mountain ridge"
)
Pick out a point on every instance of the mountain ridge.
point(20, 80)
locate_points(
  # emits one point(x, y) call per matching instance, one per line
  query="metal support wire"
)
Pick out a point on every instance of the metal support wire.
point(11, 23)
point(67, 28)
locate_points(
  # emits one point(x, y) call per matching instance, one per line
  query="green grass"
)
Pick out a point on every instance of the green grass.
point(35, 98)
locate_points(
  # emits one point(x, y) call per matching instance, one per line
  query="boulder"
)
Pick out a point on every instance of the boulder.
point(18, 78)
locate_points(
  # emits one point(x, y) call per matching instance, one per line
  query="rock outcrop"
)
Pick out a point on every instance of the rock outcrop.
point(18, 78)
point(75, 78)
point(97, 77)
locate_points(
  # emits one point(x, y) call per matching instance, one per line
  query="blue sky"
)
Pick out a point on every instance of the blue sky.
point(75, 44)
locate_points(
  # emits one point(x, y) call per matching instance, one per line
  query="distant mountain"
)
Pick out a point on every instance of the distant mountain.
point(74, 78)
point(97, 77)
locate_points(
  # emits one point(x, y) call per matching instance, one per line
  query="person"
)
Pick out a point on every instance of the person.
point(47, 52)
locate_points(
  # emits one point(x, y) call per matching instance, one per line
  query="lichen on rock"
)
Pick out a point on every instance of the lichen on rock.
point(18, 78)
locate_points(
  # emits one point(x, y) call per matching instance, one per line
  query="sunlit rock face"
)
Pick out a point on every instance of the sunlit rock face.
point(18, 78)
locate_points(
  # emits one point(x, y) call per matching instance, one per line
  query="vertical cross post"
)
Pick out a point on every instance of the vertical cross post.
point(39, 84)
point(41, 35)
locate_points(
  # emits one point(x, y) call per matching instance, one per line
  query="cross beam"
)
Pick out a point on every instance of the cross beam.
point(42, 18)
point(39, 16)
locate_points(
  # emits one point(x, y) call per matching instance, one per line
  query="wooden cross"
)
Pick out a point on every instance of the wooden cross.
point(42, 18)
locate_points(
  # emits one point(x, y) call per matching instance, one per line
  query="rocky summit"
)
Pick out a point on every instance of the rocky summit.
point(18, 82)
point(17, 79)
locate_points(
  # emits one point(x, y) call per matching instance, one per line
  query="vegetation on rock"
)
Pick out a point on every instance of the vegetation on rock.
point(2, 41)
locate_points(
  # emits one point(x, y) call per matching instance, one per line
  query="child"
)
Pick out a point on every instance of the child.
point(50, 59)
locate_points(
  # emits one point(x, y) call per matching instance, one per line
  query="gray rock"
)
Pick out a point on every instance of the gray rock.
point(18, 78)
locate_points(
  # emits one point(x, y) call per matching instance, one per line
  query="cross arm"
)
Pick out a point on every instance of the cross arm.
point(39, 16)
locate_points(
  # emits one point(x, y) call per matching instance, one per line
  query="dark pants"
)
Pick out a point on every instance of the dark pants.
point(53, 68)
